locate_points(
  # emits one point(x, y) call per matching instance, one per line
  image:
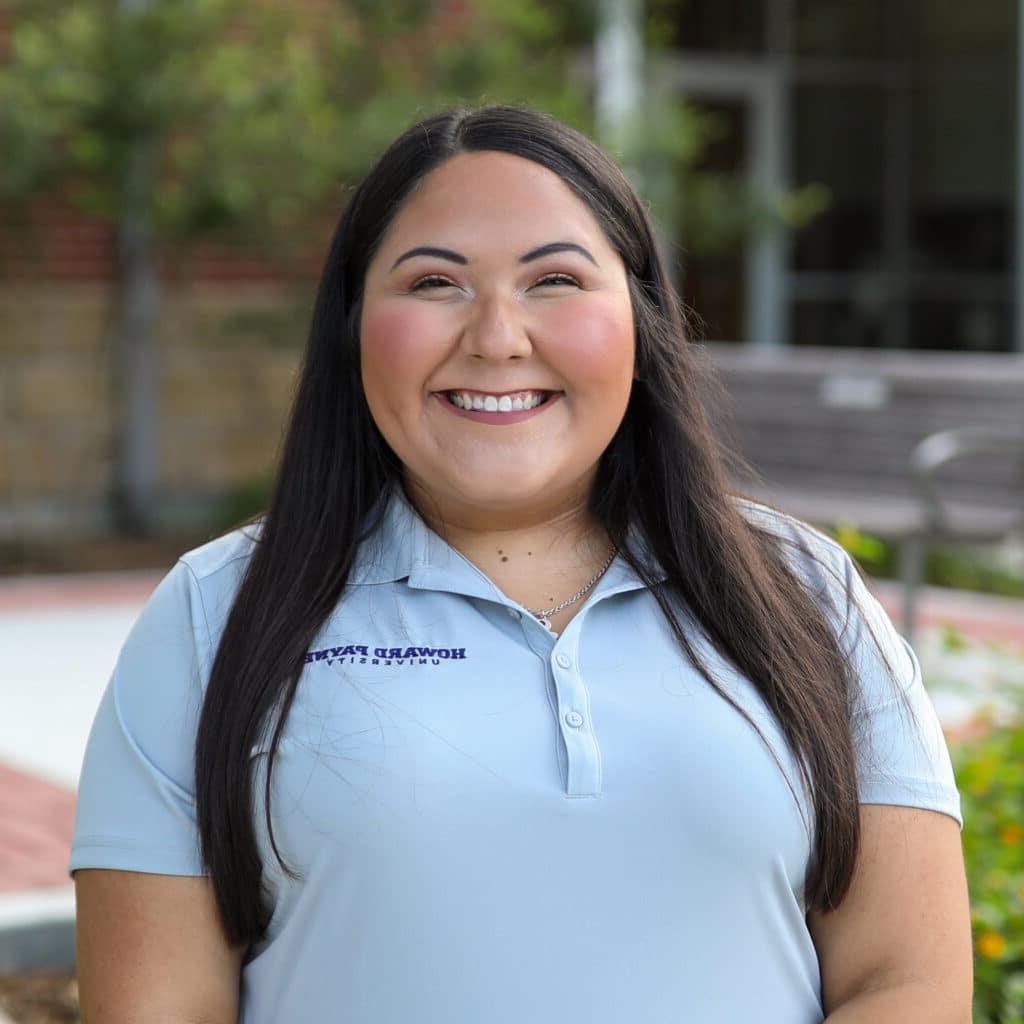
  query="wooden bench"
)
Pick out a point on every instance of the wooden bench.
point(912, 447)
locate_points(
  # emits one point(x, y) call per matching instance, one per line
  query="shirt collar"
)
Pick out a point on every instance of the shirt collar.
point(397, 541)
point(400, 545)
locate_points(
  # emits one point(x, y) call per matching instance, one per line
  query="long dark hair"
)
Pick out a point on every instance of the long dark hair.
point(662, 473)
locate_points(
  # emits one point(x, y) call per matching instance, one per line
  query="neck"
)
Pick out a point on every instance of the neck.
point(536, 554)
point(459, 522)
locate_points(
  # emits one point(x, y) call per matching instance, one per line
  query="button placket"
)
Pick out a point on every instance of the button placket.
point(582, 753)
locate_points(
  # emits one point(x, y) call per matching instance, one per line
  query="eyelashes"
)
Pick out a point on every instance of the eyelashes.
point(432, 281)
point(558, 279)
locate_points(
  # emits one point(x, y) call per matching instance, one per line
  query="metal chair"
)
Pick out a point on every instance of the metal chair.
point(959, 521)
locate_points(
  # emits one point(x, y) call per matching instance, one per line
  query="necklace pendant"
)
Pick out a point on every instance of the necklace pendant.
point(544, 621)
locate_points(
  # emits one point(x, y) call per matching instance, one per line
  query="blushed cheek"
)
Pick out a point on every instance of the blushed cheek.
point(391, 349)
point(597, 342)
point(386, 336)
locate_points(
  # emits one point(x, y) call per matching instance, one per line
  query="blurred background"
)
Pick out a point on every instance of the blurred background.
point(838, 188)
point(824, 175)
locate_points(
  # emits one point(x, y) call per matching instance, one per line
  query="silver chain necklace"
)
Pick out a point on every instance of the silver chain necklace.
point(543, 615)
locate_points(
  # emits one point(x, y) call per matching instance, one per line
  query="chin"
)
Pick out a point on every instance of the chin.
point(496, 492)
point(499, 496)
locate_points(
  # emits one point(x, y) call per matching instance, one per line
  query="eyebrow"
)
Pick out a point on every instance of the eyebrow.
point(533, 254)
point(546, 250)
point(430, 250)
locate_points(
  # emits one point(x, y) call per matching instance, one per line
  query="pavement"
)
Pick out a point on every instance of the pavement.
point(59, 639)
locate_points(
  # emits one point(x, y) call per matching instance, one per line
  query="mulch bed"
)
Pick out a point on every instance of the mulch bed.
point(40, 997)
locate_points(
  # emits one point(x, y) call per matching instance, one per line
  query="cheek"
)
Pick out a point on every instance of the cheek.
point(595, 342)
point(387, 336)
point(393, 338)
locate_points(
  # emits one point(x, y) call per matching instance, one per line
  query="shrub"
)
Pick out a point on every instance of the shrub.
point(944, 566)
point(989, 769)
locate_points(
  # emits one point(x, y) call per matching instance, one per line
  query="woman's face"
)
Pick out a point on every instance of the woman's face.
point(497, 337)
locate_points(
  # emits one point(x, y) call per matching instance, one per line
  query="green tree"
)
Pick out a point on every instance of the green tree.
point(178, 121)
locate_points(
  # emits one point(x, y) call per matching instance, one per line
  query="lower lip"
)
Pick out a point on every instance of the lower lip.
point(499, 418)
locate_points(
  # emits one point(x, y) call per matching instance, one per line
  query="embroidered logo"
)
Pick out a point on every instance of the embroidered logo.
point(363, 654)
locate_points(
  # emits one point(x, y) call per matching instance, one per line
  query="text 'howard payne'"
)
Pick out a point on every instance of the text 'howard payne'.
point(360, 654)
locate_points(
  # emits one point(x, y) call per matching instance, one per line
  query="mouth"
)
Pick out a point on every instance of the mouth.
point(504, 402)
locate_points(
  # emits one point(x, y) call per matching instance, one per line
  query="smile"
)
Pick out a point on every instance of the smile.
point(498, 409)
point(482, 401)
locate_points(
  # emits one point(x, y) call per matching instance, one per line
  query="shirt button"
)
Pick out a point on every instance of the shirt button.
point(514, 613)
point(563, 660)
point(574, 718)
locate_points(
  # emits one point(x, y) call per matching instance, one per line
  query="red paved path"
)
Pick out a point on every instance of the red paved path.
point(36, 817)
point(978, 616)
point(49, 593)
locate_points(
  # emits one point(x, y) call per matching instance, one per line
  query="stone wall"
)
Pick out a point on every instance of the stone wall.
point(228, 354)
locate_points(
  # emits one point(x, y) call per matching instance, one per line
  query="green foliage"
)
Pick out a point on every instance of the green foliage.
point(990, 775)
point(242, 504)
point(248, 117)
point(226, 114)
point(873, 554)
point(951, 568)
point(944, 566)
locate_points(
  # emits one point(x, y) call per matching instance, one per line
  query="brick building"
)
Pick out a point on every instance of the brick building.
point(907, 112)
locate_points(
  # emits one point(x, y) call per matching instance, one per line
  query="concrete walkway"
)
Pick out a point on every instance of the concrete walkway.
point(59, 639)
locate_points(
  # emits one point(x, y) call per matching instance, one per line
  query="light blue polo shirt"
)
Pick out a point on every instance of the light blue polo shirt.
point(495, 825)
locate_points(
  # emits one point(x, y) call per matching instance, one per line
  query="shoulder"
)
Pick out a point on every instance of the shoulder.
point(223, 557)
point(190, 604)
point(213, 572)
point(836, 583)
point(879, 656)
point(818, 561)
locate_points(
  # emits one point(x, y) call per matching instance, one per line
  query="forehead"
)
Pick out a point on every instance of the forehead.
point(493, 196)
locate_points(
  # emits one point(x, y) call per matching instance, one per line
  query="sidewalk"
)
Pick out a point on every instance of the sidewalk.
point(59, 638)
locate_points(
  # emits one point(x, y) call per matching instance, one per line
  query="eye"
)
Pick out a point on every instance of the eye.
point(549, 279)
point(431, 281)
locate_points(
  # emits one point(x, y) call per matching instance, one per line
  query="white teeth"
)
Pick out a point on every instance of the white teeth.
point(492, 403)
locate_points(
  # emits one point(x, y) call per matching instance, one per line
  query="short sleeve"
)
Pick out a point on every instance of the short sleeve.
point(136, 801)
point(901, 752)
point(902, 757)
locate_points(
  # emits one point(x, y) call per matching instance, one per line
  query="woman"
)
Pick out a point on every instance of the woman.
point(507, 709)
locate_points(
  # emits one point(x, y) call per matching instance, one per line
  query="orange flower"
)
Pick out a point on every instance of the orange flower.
point(1011, 835)
point(990, 945)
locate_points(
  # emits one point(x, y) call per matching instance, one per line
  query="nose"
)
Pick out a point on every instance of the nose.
point(496, 329)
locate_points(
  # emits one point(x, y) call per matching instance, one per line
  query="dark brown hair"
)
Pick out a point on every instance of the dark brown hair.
point(662, 474)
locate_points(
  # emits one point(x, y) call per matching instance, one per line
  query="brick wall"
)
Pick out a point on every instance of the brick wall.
point(227, 358)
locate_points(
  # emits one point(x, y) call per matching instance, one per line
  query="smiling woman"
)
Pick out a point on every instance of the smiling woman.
point(522, 301)
point(508, 709)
